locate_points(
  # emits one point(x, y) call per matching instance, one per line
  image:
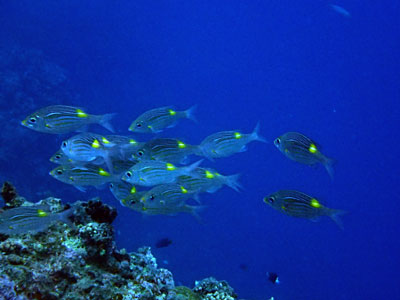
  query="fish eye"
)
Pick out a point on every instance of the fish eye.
point(140, 153)
point(138, 125)
point(64, 144)
point(152, 197)
point(32, 120)
point(128, 174)
point(59, 172)
point(111, 185)
point(58, 156)
point(278, 141)
point(271, 199)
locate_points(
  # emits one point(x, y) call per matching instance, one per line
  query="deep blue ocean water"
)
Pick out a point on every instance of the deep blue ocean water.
point(290, 65)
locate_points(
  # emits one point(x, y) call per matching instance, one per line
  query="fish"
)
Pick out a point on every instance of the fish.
point(300, 205)
point(273, 277)
point(226, 143)
point(166, 195)
point(165, 149)
point(208, 180)
point(79, 177)
point(164, 242)
point(59, 119)
point(302, 149)
point(152, 172)
point(340, 10)
point(157, 119)
point(88, 147)
point(122, 189)
point(61, 159)
point(125, 146)
point(36, 218)
point(132, 201)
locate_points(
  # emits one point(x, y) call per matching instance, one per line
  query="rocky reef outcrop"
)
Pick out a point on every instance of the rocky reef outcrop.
point(78, 259)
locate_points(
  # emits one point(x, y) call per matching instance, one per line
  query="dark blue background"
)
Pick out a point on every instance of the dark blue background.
point(292, 65)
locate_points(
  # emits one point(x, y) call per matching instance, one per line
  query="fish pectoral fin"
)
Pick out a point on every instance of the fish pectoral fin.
point(243, 149)
point(80, 188)
point(315, 219)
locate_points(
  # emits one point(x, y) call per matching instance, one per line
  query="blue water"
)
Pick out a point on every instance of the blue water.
point(290, 65)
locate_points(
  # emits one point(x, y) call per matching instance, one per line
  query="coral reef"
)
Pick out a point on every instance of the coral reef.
point(80, 261)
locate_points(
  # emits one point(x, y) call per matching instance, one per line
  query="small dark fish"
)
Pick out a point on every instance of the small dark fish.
point(162, 243)
point(59, 119)
point(302, 149)
point(273, 277)
point(300, 205)
point(157, 119)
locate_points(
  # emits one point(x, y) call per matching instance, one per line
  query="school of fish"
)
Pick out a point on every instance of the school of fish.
point(160, 176)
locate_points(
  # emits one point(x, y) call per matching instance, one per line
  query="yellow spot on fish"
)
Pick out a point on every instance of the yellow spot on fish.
point(81, 114)
point(10, 227)
point(71, 178)
point(96, 144)
point(143, 199)
point(47, 126)
point(314, 203)
point(150, 127)
point(181, 145)
point(217, 174)
point(42, 213)
point(184, 191)
point(104, 140)
point(170, 167)
point(132, 142)
point(103, 172)
point(238, 135)
point(209, 174)
point(312, 148)
point(144, 208)
point(133, 190)
point(172, 112)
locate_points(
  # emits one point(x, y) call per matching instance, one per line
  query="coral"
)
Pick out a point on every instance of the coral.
point(212, 289)
point(80, 261)
point(10, 195)
point(7, 289)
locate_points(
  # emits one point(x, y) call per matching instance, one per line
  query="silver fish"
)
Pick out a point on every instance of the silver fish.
point(157, 119)
point(151, 172)
point(79, 177)
point(59, 119)
point(165, 149)
point(300, 205)
point(88, 147)
point(33, 219)
point(226, 143)
point(208, 180)
point(163, 195)
point(302, 149)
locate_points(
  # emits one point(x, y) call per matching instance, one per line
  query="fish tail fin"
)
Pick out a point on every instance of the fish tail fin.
point(187, 170)
point(109, 164)
point(255, 136)
point(105, 121)
point(233, 182)
point(198, 150)
point(328, 164)
point(195, 211)
point(335, 214)
point(189, 113)
point(65, 216)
